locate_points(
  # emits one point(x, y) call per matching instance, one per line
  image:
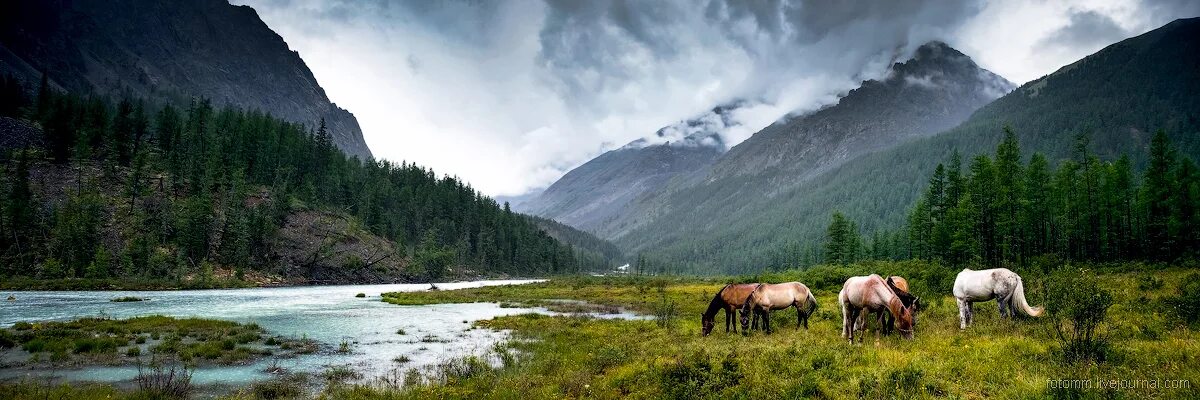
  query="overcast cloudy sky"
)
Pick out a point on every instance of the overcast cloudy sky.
point(509, 95)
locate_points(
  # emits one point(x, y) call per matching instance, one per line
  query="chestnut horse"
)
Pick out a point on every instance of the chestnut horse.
point(871, 294)
point(888, 323)
point(768, 297)
point(728, 298)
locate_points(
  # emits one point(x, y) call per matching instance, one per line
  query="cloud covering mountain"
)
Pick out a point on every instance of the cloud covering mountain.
point(510, 95)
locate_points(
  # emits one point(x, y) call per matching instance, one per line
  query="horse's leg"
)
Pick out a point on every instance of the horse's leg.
point(846, 324)
point(1001, 303)
point(962, 313)
point(970, 313)
point(767, 320)
point(799, 318)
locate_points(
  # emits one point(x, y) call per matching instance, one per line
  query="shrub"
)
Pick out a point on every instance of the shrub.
point(696, 374)
point(1078, 306)
point(287, 387)
point(1149, 282)
point(133, 351)
point(1187, 305)
point(22, 326)
point(665, 311)
point(164, 383)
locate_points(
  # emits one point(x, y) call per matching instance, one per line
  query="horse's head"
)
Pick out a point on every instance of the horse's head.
point(907, 321)
point(706, 324)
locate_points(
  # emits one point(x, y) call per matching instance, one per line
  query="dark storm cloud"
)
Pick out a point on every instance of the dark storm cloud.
point(511, 94)
point(1086, 29)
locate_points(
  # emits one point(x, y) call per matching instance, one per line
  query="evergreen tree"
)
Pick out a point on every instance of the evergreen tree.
point(1156, 198)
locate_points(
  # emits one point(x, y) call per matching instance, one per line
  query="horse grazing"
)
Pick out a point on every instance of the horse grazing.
point(886, 321)
point(728, 298)
point(871, 294)
point(999, 283)
point(768, 297)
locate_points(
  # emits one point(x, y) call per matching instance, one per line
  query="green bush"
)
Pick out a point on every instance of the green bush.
point(1187, 304)
point(694, 374)
point(1078, 306)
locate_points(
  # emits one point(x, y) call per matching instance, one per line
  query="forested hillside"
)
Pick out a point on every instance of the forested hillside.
point(999, 210)
point(121, 189)
point(168, 51)
point(1115, 98)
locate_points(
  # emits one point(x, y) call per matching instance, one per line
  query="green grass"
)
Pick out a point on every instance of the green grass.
point(583, 357)
point(92, 340)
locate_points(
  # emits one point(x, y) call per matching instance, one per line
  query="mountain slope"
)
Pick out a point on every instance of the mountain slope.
point(596, 196)
point(935, 90)
point(168, 51)
point(1118, 96)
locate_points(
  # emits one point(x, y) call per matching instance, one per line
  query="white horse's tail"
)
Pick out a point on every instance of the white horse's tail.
point(1019, 300)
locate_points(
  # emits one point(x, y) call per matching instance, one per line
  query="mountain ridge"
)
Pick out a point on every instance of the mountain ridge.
point(170, 52)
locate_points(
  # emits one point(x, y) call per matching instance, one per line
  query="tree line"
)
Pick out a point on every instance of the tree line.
point(1001, 210)
point(159, 191)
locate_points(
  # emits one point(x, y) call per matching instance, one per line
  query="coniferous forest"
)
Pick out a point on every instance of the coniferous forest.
point(1009, 210)
point(127, 189)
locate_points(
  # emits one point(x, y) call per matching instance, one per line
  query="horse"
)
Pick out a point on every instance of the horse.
point(872, 294)
point(886, 321)
point(768, 297)
point(999, 283)
point(728, 298)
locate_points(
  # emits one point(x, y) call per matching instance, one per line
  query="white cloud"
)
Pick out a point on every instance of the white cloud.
point(511, 95)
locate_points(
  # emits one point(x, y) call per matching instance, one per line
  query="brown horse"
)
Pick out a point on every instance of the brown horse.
point(768, 297)
point(728, 298)
point(871, 294)
point(888, 323)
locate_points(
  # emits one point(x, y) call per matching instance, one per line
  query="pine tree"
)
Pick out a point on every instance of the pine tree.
point(1009, 191)
point(838, 241)
point(1156, 198)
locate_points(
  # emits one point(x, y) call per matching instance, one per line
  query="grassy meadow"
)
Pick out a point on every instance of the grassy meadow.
point(575, 357)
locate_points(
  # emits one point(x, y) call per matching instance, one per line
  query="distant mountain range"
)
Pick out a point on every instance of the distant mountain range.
point(759, 204)
point(594, 195)
point(168, 51)
point(627, 188)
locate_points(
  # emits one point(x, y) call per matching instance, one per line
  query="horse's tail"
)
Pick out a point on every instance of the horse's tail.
point(1019, 301)
point(812, 304)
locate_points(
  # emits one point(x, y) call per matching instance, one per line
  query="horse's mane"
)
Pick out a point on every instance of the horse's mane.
point(715, 304)
point(749, 298)
point(906, 298)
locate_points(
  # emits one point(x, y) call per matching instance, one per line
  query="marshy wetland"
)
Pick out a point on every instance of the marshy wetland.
point(552, 339)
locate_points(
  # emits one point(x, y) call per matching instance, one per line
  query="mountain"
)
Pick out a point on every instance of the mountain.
point(168, 52)
point(596, 195)
point(934, 91)
point(1116, 98)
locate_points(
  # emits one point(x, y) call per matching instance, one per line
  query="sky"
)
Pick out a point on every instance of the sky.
point(510, 95)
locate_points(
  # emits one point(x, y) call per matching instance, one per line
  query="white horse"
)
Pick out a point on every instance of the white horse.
point(1001, 284)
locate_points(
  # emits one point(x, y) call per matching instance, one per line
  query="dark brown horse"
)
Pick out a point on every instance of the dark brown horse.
point(729, 298)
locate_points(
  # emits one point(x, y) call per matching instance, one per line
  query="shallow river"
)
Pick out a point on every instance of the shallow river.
point(328, 314)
